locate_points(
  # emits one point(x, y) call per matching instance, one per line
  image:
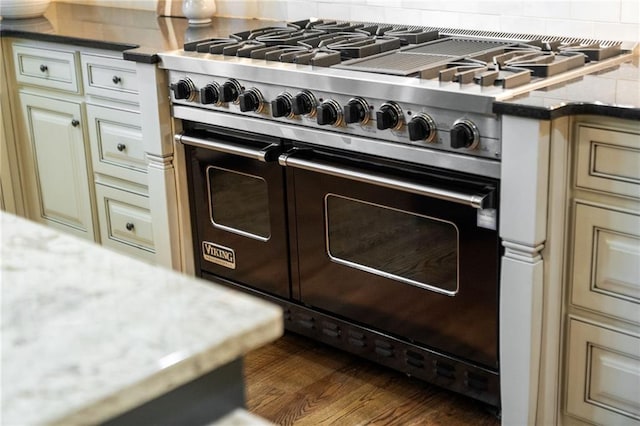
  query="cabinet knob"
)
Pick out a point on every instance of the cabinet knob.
point(121, 147)
point(44, 68)
point(129, 226)
point(75, 123)
point(116, 79)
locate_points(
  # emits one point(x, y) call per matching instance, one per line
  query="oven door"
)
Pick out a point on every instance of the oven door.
point(238, 207)
point(411, 254)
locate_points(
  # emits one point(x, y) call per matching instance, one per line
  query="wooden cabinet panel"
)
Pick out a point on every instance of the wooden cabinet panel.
point(608, 160)
point(59, 183)
point(606, 262)
point(54, 69)
point(116, 143)
point(604, 375)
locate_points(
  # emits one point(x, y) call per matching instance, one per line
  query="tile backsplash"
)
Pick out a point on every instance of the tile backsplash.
point(598, 19)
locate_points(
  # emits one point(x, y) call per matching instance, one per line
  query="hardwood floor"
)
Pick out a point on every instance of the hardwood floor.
point(297, 381)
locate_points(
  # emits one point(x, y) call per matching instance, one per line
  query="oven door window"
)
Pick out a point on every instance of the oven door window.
point(239, 203)
point(396, 244)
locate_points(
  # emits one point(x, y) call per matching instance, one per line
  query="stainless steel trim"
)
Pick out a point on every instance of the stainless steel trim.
point(417, 154)
point(226, 147)
point(477, 201)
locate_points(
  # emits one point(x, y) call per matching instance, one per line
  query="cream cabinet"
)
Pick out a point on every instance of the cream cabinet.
point(54, 152)
point(602, 317)
point(118, 154)
point(56, 170)
point(78, 135)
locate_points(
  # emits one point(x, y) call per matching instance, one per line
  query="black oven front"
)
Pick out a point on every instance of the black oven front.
point(396, 262)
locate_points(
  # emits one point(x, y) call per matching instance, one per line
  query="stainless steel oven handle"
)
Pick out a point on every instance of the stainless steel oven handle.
point(478, 201)
point(266, 154)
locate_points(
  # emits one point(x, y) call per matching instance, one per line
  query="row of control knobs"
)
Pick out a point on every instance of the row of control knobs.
point(421, 127)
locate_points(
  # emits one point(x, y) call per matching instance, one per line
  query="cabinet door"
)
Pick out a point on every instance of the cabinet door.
point(603, 380)
point(57, 178)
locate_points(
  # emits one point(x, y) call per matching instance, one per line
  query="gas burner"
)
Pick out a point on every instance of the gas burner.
point(335, 27)
point(203, 45)
point(594, 52)
point(364, 47)
point(253, 34)
point(412, 36)
point(286, 37)
point(324, 40)
point(541, 64)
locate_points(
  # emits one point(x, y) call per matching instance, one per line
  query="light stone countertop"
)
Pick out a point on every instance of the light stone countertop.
point(88, 333)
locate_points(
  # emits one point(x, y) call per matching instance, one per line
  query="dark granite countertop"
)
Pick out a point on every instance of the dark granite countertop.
point(613, 92)
point(140, 35)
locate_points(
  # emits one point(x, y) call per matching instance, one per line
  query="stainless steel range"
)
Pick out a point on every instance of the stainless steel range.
point(350, 172)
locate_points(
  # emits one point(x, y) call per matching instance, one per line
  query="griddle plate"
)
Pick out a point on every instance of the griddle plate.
point(416, 59)
point(397, 63)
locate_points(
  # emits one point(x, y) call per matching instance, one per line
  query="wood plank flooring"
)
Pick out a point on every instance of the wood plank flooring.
point(297, 381)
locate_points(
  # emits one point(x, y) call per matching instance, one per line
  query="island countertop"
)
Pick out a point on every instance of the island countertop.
point(88, 333)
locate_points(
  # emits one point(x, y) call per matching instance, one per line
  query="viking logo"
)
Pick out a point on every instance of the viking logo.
point(219, 255)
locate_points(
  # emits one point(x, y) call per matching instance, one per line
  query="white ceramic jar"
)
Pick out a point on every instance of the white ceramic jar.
point(198, 12)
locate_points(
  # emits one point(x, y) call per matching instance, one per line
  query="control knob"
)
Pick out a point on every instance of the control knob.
point(329, 112)
point(356, 111)
point(304, 103)
point(230, 91)
point(389, 116)
point(281, 105)
point(184, 89)
point(422, 127)
point(210, 94)
point(464, 134)
point(251, 100)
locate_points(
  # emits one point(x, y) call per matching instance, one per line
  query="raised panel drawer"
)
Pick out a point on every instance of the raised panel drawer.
point(603, 380)
point(116, 143)
point(125, 221)
point(608, 160)
point(606, 262)
point(50, 68)
point(110, 77)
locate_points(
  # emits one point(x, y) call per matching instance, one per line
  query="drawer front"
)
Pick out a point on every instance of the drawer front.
point(116, 143)
point(603, 380)
point(53, 69)
point(125, 221)
point(608, 161)
point(606, 263)
point(110, 77)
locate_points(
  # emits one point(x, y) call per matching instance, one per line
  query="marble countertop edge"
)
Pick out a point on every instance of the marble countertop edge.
point(181, 373)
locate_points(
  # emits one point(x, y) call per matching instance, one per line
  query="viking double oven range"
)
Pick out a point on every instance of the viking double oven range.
point(350, 172)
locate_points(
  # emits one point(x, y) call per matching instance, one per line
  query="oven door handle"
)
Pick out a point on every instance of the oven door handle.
point(266, 154)
point(476, 200)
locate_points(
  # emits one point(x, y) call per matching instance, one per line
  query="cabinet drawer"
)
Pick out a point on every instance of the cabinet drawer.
point(608, 160)
point(606, 262)
point(603, 375)
point(116, 143)
point(125, 221)
point(110, 77)
point(54, 69)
